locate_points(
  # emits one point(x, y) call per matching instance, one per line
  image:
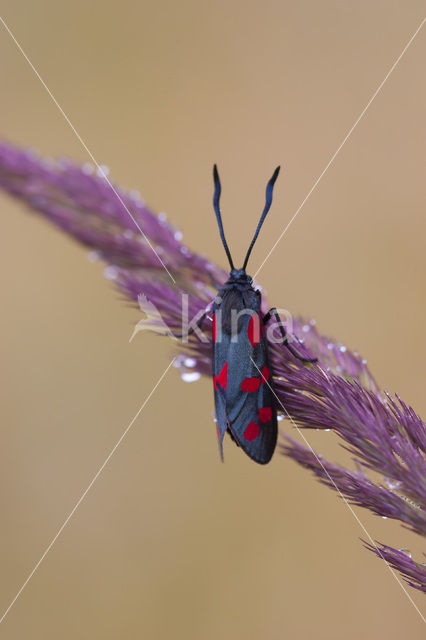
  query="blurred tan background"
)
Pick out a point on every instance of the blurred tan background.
point(170, 543)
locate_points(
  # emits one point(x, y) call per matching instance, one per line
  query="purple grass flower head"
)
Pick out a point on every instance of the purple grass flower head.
point(400, 559)
point(385, 437)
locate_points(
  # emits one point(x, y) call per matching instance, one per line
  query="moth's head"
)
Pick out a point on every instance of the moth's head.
point(239, 276)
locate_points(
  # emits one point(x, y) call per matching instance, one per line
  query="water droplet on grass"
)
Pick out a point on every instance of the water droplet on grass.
point(102, 171)
point(110, 272)
point(93, 256)
point(87, 168)
point(392, 484)
point(190, 376)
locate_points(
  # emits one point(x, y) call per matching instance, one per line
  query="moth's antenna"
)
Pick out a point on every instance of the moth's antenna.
point(269, 192)
point(217, 190)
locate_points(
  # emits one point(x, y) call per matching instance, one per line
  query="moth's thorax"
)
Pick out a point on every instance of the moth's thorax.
point(238, 279)
point(236, 302)
point(238, 292)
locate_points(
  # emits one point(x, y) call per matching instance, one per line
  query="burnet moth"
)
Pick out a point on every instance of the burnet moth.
point(243, 389)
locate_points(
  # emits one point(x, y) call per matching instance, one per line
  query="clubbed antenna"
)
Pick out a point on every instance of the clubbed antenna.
point(269, 192)
point(216, 197)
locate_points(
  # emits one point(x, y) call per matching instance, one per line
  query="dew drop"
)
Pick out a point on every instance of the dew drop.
point(364, 361)
point(327, 429)
point(87, 168)
point(280, 417)
point(406, 552)
point(330, 346)
point(392, 484)
point(190, 376)
point(110, 272)
point(162, 216)
point(189, 362)
point(185, 251)
point(93, 256)
point(342, 348)
point(312, 322)
point(134, 194)
point(102, 171)
point(306, 328)
point(178, 235)
point(384, 517)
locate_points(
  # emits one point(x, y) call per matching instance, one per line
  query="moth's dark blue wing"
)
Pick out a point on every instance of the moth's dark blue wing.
point(220, 382)
point(244, 400)
point(221, 415)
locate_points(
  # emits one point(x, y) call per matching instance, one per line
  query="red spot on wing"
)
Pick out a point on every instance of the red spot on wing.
point(265, 414)
point(214, 327)
point(254, 329)
point(250, 384)
point(265, 374)
point(251, 431)
point(253, 383)
point(221, 378)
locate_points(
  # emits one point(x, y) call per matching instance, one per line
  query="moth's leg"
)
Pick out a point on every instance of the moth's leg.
point(192, 329)
point(273, 313)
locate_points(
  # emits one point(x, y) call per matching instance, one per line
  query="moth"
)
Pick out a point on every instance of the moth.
point(244, 396)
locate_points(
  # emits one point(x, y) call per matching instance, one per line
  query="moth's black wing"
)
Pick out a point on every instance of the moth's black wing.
point(220, 378)
point(250, 402)
point(244, 400)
